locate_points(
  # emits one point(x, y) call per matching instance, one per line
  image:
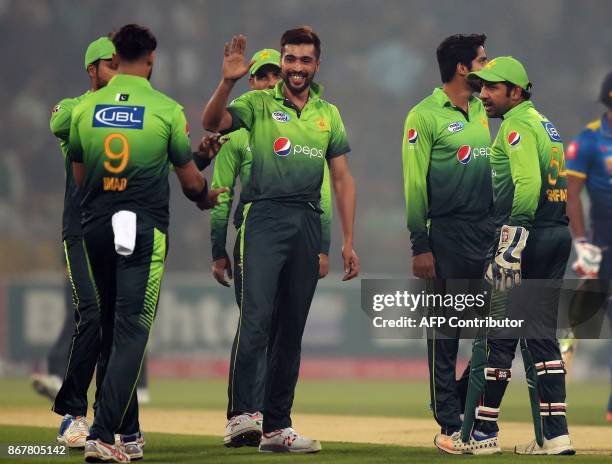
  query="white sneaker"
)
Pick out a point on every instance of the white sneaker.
point(452, 444)
point(287, 440)
point(98, 451)
point(244, 429)
point(558, 445)
point(132, 445)
point(73, 431)
point(46, 385)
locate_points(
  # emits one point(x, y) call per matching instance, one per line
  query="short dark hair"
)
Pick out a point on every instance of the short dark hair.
point(458, 48)
point(134, 42)
point(524, 93)
point(301, 35)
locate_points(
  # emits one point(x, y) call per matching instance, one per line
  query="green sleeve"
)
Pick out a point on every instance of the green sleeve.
point(75, 145)
point(326, 206)
point(179, 146)
point(525, 171)
point(227, 168)
point(338, 141)
point(242, 110)
point(416, 154)
point(60, 118)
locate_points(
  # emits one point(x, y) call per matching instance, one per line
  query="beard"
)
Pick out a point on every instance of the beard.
point(297, 88)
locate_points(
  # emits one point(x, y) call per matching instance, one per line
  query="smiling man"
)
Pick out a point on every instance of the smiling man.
point(293, 133)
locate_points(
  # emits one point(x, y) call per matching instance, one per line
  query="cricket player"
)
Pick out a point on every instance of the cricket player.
point(293, 133)
point(447, 180)
point(122, 140)
point(75, 364)
point(533, 242)
point(589, 162)
point(233, 161)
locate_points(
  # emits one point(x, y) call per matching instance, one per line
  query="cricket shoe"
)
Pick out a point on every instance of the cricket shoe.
point(287, 440)
point(98, 451)
point(73, 431)
point(479, 444)
point(243, 430)
point(132, 445)
point(561, 445)
point(46, 385)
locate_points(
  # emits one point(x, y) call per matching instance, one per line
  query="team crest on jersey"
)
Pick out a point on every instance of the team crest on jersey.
point(282, 146)
point(56, 108)
point(322, 124)
point(464, 154)
point(455, 127)
point(412, 136)
point(552, 131)
point(514, 138)
point(280, 116)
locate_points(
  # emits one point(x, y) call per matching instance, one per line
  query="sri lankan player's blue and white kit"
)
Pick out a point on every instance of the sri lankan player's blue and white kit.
point(589, 156)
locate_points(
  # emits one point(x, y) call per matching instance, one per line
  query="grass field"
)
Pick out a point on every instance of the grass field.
point(586, 404)
point(586, 401)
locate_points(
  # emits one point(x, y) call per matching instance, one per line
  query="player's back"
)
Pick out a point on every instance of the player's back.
point(126, 131)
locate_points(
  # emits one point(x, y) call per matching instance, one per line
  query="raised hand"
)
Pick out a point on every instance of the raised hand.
point(234, 66)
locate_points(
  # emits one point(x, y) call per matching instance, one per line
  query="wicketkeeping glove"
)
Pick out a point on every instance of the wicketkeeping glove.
point(588, 259)
point(504, 271)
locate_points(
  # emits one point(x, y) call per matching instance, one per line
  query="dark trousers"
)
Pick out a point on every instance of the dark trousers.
point(279, 264)
point(545, 257)
point(129, 292)
point(459, 248)
point(83, 347)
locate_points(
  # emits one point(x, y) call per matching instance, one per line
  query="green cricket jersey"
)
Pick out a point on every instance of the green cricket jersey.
point(445, 154)
point(290, 147)
point(127, 134)
point(61, 116)
point(235, 160)
point(528, 169)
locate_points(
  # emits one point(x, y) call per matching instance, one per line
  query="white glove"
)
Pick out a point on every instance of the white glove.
point(504, 272)
point(588, 259)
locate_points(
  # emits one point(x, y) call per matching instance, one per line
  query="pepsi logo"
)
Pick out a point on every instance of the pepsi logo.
point(282, 146)
point(514, 138)
point(572, 150)
point(412, 136)
point(464, 154)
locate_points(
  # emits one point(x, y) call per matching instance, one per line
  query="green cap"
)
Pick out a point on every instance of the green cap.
point(100, 49)
point(263, 57)
point(504, 68)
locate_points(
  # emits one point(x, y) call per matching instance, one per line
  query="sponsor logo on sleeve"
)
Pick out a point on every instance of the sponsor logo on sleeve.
point(514, 138)
point(552, 131)
point(455, 127)
point(281, 116)
point(572, 151)
point(412, 136)
point(56, 108)
point(121, 117)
